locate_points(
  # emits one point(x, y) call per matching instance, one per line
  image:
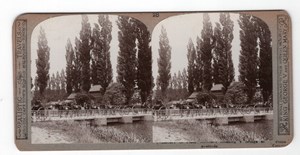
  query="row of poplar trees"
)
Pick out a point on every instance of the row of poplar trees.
point(210, 61)
point(89, 62)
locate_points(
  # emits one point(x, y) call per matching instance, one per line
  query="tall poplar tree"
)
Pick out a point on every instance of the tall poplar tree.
point(179, 80)
point(191, 70)
point(174, 80)
point(85, 56)
point(69, 68)
point(223, 65)
point(248, 55)
point(127, 63)
point(62, 81)
point(42, 62)
point(265, 58)
point(57, 81)
point(52, 82)
point(217, 53)
point(198, 72)
point(101, 64)
point(206, 46)
point(77, 67)
point(144, 61)
point(164, 62)
point(184, 80)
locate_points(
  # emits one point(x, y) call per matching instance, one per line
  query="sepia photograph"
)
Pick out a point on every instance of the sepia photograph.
point(191, 78)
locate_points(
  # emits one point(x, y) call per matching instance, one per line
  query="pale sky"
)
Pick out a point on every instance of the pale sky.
point(183, 27)
point(179, 29)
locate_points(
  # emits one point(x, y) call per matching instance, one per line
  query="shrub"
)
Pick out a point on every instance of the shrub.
point(114, 94)
point(236, 94)
point(84, 99)
point(205, 97)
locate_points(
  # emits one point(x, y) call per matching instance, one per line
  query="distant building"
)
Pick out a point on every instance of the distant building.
point(192, 97)
point(217, 90)
point(95, 91)
point(71, 96)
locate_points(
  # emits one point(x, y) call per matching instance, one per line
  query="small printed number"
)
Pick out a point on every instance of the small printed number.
point(155, 15)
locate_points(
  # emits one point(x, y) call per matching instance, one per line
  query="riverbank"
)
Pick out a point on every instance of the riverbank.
point(196, 131)
point(80, 132)
point(180, 131)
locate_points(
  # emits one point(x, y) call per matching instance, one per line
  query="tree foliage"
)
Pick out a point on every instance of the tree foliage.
point(101, 64)
point(144, 61)
point(236, 94)
point(164, 61)
point(42, 62)
point(69, 67)
point(85, 56)
point(198, 72)
point(77, 67)
point(205, 97)
point(192, 68)
point(114, 94)
point(248, 55)
point(217, 53)
point(265, 59)
point(184, 79)
point(84, 100)
point(206, 47)
point(63, 80)
point(223, 65)
point(127, 62)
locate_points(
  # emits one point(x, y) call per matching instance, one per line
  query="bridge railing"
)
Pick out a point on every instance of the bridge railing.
point(42, 114)
point(163, 113)
point(210, 112)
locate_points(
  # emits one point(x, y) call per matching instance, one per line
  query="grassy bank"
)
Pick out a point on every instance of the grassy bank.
point(167, 131)
point(203, 132)
point(82, 132)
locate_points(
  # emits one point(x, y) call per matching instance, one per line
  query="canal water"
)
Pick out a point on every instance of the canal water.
point(194, 131)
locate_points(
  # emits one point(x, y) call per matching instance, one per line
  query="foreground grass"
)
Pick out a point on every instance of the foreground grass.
point(190, 130)
point(82, 132)
point(203, 132)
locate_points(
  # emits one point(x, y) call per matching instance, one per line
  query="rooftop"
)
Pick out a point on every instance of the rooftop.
point(217, 87)
point(95, 88)
point(71, 96)
point(193, 95)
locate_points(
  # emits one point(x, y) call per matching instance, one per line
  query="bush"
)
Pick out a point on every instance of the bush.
point(114, 95)
point(236, 94)
point(205, 97)
point(84, 99)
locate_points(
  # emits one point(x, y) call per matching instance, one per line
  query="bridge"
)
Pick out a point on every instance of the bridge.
point(106, 116)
